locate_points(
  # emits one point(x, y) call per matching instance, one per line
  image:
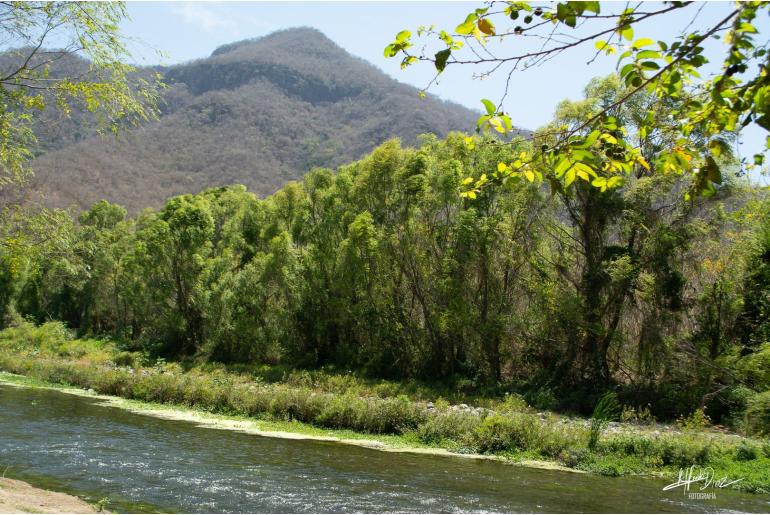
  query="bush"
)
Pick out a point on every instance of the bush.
point(757, 417)
point(454, 426)
point(640, 415)
point(543, 399)
point(158, 388)
point(512, 403)
point(694, 421)
point(746, 452)
point(512, 433)
point(112, 382)
point(45, 338)
point(125, 359)
point(682, 453)
point(754, 368)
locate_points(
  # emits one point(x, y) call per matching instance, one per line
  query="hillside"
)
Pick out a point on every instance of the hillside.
point(258, 112)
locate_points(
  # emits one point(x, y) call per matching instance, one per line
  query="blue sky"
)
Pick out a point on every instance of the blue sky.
point(188, 30)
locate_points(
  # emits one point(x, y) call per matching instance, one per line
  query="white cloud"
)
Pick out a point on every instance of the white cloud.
point(206, 18)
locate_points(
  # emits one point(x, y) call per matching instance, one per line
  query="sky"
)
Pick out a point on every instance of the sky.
point(183, 31)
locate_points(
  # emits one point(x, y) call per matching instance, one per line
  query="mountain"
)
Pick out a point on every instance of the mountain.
point(259, 112)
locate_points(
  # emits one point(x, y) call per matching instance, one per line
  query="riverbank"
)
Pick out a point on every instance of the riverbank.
point(20, 497)
point(754, 473)
point(385, 415)
point(290, 430)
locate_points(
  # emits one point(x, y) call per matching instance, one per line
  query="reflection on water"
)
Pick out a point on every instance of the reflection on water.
point(142, 463)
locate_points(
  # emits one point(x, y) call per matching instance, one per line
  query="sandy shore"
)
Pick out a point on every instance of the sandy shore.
point(20, 497)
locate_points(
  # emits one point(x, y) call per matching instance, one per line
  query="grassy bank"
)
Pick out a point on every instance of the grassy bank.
point(380, 416)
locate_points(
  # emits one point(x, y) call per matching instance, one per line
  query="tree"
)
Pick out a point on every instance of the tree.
point(31, 82)
point(597, 150)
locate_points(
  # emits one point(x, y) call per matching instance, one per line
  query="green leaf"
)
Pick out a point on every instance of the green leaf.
point(569, 178)
point(648, 54)
point(627, 32)
point(441, 59)
point(491, 109)
point(403, 36)
point(713, 173)
point(467, 27)
point(642, 42)
point(562, 166)
point(594, 7)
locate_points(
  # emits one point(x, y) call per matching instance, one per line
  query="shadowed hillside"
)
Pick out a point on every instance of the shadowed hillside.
point(258, 112)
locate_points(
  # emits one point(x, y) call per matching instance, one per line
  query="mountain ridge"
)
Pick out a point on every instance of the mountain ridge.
point(259, 112)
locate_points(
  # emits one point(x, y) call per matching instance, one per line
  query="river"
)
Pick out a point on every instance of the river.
point(141, 463)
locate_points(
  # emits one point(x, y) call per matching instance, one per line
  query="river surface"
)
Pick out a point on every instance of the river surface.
point(142, 463)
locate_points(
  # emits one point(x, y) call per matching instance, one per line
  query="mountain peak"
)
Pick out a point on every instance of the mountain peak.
point(258, 112)
point(302, 39)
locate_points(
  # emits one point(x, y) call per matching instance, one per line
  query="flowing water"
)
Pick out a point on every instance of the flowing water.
point(142, 463)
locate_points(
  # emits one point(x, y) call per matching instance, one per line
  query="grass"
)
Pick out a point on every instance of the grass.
point(344, 408)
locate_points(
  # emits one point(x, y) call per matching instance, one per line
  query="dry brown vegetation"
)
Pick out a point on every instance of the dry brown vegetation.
point(259, 112)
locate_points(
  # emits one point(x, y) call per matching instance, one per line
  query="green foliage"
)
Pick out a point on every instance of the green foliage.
point(694, 421)
point(307, 397)
point(449, 427)
point(746, 452)
point(381, 270)
point(640, 415)
point(598, 149)
point(607, 408)
point(107, 88)
point(754, 368)
point(758, 414)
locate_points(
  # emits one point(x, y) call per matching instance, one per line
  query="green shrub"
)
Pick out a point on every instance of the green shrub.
point(631, 445)
point(113, 382)
point(640, 415)
point(45, 338)
point(342, 411)
point(543, 399)
point(757, 417)
point(607, 408)
point(754, 368)
point(157, 387)
point(512, 403)
point(735, 401)
point(694, 421)
point(682, 453)
point(574, 458)
point(517, 432)
point(746, 452)
point(125, 359)
point(443, 425)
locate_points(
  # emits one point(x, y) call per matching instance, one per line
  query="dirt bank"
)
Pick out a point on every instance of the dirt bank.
point(20, 497)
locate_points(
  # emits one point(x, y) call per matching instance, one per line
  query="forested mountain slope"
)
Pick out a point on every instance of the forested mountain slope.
point(258, 112)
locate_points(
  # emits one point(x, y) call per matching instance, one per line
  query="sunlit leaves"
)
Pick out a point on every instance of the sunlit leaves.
point(641, 43)
point(401, 43)
point(110, 90)
point(705, 109)
point(499, 121)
